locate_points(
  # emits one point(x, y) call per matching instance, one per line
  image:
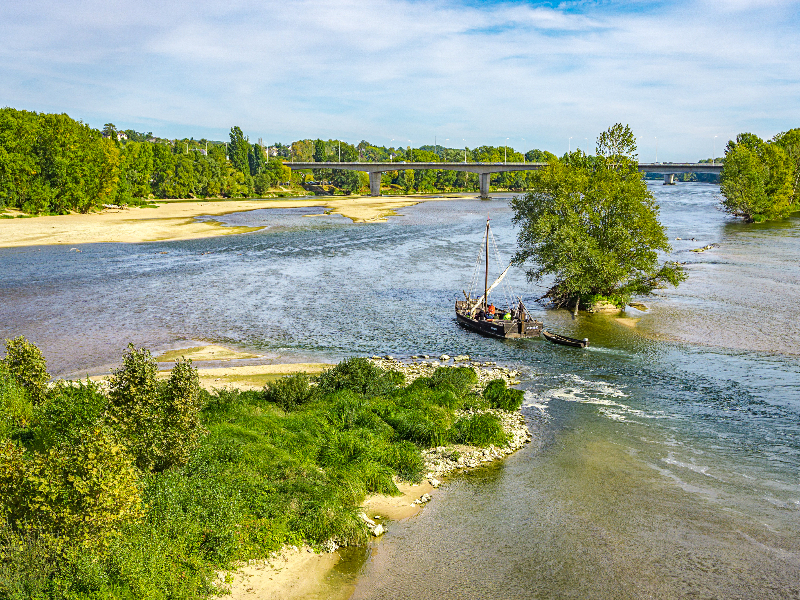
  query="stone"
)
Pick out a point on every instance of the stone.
point(377, 530)
point(434, 482)
point(444, 357)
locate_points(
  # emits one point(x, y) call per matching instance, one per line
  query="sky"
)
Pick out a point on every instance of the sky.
point(686, 76)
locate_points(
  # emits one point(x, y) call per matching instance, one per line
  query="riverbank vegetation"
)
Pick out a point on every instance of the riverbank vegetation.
point(52, 164)
point(143, 489)
point(761, 179)
point(591, 223)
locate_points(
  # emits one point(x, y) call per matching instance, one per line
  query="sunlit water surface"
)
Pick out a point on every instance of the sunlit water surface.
point(667, 463)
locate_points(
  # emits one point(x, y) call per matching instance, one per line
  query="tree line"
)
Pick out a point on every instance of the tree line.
point(53, 164)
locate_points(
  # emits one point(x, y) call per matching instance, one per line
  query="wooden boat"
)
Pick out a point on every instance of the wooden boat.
point(564, 340)
point(511, 322)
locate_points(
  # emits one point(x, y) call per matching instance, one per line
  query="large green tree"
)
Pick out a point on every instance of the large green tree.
point(591, 224)
point(789, 141)
point(757, 179)
point(238, 150)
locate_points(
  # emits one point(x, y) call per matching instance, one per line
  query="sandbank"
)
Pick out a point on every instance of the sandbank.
point(253, 377)
point(176, 220)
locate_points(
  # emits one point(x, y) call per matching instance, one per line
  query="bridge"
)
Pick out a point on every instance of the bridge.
point(485, 170)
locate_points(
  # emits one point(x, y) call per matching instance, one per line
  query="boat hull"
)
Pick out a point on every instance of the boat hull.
point(499, 328)
point(564, 340)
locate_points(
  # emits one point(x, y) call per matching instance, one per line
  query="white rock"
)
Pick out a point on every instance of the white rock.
point(377, 530)
point(434, 482)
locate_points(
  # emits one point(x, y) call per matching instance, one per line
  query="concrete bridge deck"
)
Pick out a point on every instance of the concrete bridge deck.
point(485, 170)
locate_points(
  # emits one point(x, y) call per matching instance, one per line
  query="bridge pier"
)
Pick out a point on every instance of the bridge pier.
point(375, 183)
point(484, 184)
point(669, 179)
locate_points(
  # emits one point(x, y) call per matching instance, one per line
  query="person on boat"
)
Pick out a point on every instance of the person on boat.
point(490, 312)
point(507, 316)
point(480, 316)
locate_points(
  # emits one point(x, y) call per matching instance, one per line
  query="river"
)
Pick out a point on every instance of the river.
point(668, 460)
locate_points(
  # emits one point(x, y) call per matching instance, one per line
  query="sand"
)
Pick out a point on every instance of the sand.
point(294, 574)
point(173, 220)
point(396, 508)
point(253, 377)
point(201, 353)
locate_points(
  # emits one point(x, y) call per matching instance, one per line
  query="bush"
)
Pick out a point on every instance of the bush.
point(359, 375)
point(81, 492)
point(159, 422)
point(499, 396)
point(290, 392)
point(70, 409)
point(16, 410)
point(483, 429)
point(27, 365)
point(180, 407)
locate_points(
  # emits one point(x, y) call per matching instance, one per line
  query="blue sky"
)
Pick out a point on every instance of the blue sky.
point(405, 72)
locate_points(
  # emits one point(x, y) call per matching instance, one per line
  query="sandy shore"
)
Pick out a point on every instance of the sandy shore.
point(173, 220)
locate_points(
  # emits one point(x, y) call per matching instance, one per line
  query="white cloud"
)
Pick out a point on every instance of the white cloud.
point(401, 69)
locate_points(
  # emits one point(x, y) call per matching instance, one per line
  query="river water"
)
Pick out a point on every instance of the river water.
point(667, 461)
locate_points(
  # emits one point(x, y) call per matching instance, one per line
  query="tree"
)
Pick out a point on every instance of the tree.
point(256, 159)
point(789, 141)
point(27, 365)
point(159, 422)
point(757, 179)
point(592, 224)
point(238, 150)
point(110, 131)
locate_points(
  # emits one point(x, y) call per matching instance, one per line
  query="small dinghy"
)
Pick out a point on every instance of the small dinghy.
point(564, 340)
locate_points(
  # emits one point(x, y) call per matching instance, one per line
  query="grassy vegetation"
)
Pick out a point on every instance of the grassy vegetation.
point(143, 491)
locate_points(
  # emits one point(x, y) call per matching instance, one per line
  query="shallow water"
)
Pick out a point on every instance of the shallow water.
point(670, 464)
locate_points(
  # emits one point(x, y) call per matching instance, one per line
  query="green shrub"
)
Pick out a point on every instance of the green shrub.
point(290, 392)
point(81, 491)
point(69, 410)
point(16, 409)
point(460, 379)
point(159, 422)
point(481, 429)
point(29, 563)
point(180, 426)
point(27, 365)
point(499, 396)
point(358, 375)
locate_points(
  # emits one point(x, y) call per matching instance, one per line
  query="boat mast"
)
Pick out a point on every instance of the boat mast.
point(486, 277)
